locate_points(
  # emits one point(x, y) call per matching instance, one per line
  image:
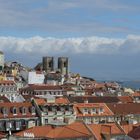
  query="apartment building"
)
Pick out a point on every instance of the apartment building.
point(55, 111)
point(17, 116)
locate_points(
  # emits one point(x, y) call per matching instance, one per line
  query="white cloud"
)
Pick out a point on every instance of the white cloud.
point(88, 45)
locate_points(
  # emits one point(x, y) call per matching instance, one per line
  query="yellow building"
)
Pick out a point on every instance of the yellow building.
point(2, 77)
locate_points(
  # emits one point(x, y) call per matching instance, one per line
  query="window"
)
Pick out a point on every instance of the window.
point(18, 125)
point(85, 110)
point(94, 110)
point(50, 64)
point(101, 110)
point(23, 110)
point(14, 111)
point(2, 125)
point(4, 111)
point(32, 110)
point(65, 64)
point(8, 125)
point(46, 121)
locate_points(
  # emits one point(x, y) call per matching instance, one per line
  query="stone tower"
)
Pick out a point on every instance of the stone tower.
point(63, 65)
point(48, 64)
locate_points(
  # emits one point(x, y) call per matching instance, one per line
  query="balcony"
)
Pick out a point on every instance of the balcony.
point(51, 113)
point(59, 113)
point(68, 113)
point(56, 122)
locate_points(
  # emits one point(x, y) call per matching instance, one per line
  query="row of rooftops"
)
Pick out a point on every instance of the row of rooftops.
point(84, 106)
point(6, 82)
point(92, 131)
point(81, 109)
point(18, 110)
point(97, 87)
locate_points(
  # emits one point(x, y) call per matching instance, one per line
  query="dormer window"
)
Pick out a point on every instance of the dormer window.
point(94, 110)
point(4, 111)
point(14, 111)
point(101, 110)
point(32, 110)
point(24, 110)
point(85, 110)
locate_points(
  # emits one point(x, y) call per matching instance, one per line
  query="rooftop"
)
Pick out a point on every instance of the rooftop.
point(68, 131)
point(124, 108)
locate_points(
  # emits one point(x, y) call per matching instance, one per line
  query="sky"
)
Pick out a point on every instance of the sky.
point(100, 37)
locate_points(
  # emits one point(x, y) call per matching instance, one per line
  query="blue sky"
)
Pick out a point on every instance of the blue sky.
point(101, 37)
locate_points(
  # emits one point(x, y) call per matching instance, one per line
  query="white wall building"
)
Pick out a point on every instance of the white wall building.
point(35, 78)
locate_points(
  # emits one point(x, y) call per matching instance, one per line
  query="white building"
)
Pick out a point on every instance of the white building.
point(35, 77)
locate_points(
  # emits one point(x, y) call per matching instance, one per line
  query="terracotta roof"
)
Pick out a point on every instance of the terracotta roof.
point(136, 94)
point(100, 85)
point(61, 100)
point(42, 87)
point(7, 82)
point(125, 99)
point(28, 97)
point(40, 101)
point(18, 106)
point(2, 135)
point(4, 99)
point(93, 99)
point(124, 108)
point(68, 131)
point(89, 91)
point(68, 89)
point(79, 113)
point(100, 129)
point(71, 131)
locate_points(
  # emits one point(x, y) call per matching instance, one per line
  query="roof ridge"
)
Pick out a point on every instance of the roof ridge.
point(109, 108)
point(120, 127)
point(76, 130)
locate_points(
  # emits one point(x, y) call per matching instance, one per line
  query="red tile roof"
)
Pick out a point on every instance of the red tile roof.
point(124, 108)
point(93, 99)
point(6, 82)
point(110, 129)
point(69, 131)
point(18, 106)
point(4, 99)
point(42, 87)
point(59, 100)
point(40, 101)
point(136, 94)
point(78, 107)
point(62, 100)
point(2, 135)
point(125, 99)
